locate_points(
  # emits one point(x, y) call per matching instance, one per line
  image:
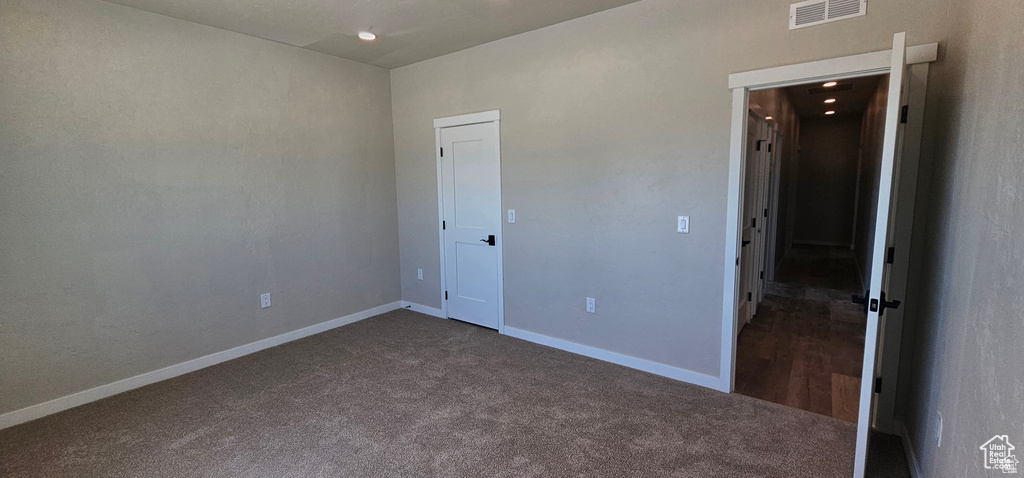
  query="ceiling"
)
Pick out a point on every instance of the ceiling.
point(852, 97)
point(407, 30)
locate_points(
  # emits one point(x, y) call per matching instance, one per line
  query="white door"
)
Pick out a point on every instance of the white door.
point(471, 222)
point(879, 269)
point(747, 256)
point(767, 135)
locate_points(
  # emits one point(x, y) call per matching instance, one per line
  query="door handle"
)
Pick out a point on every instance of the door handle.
point(884, 304)
point(861, 300)
point(489, 240)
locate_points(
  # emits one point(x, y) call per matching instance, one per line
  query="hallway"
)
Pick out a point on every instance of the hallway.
point(805, 346)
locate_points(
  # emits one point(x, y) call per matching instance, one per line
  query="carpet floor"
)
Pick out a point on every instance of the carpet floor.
point(403, 394)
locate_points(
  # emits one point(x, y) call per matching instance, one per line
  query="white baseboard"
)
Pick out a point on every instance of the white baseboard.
point(908, 449)
point(423, 309)
point(103, 391)
point(656, 368)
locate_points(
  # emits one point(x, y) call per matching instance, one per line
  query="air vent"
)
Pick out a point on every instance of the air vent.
point(816, 12)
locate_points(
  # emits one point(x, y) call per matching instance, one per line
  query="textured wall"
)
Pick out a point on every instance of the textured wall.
point(612, 125)
point(827, 181)
point(158, 175)
point(967, 363)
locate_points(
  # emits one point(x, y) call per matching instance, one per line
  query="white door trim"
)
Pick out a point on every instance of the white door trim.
point(865, 64)
point(741, 84)
point(463, 120)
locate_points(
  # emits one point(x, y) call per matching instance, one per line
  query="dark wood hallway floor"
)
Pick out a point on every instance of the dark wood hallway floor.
point(805, 346)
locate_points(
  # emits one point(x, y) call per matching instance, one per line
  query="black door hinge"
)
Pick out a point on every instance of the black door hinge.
point(878, 384)
point(753, 222)
point(737, 261)
point(904, 113)
point(749, 298)
point(442, 152)
point(762, 275)
point(765, 212)
point(443, 226)
point(890, 255)
point(769, 147)
point(758, 147)
point(445, 295)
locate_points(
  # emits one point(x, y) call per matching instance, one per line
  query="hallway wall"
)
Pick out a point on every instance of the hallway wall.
point(827, 179)
point(872, 135)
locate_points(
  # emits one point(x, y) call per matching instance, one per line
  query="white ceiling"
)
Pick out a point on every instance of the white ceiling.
point(407, 30)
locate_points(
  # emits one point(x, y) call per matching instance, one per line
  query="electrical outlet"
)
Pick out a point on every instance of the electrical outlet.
point(265, 300)
point(419, 274)
point(938, 432)
point(684, 225)
point(591, 305)
point(511, 216)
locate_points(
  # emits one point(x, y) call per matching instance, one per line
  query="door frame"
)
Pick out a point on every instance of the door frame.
point(492, 116)
point(741, 84)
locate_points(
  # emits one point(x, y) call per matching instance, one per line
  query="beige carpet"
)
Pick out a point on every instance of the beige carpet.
point(403, 394)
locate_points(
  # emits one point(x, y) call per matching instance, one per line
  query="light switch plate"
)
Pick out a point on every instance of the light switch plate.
point(511, 216)
point(419, 274)
point(684, 225)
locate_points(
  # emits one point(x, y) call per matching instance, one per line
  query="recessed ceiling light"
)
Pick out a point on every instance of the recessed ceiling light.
point(768, 117)
point(367, 36)
point(830, 100)
point(830, 84)
point(830, 112)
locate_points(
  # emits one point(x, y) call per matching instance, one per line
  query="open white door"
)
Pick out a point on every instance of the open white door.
point(879, 268)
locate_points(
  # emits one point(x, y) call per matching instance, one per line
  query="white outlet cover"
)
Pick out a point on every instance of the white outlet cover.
point(265, 300)
point(419, 274)
point(684, 225)
point(591, 305)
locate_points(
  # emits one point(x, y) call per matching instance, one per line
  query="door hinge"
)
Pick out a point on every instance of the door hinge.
point(878, 384)
point(442, 152)
point(758, 147)
point(761, 275)
point(445, 295)
point(765, 212)
point(749, 298)
point(769, 147)
point(737, 261)
point(443, 226)
point(904, 113)
point(890, 255)
point(753, 222)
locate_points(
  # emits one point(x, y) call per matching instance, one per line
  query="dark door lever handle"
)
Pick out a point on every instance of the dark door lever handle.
point(861, 300)
point(489, 240)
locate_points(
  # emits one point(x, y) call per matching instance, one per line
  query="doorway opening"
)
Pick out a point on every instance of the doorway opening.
point(888, 263)
point(811, 189)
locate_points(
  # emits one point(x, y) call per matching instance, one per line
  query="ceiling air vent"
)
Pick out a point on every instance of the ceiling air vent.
point(816, 12)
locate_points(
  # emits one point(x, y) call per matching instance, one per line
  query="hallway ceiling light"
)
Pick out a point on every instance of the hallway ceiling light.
point(368, 36)
point(830, 112)
point(768, 118)
point(830, 100)
point(830, 84)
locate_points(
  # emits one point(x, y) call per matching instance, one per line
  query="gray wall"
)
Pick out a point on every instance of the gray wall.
point(827, 181)
point(967, 363)
point(158, 175)
point(612, 125)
